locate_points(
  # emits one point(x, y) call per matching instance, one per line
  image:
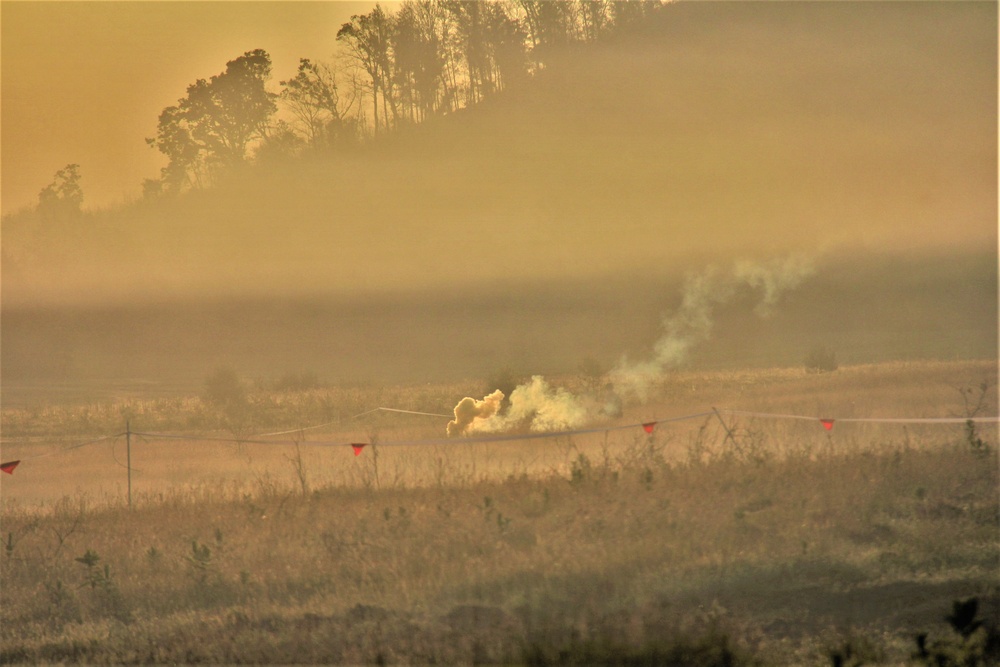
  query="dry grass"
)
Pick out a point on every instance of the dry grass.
point(779, 548)
point(165, 467)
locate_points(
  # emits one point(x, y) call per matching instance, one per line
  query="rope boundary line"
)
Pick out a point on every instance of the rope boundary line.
point(649, 426)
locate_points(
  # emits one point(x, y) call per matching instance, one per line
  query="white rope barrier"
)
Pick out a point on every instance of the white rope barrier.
point(648, 427)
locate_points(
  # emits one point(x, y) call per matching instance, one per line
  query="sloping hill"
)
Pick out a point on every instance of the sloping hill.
point(723, 129)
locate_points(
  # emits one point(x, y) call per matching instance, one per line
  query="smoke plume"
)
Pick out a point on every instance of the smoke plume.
point(538, 407)
point(773, 278)
point(693, 321)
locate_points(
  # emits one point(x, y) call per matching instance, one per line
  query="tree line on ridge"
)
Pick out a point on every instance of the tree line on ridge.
point(392, 69)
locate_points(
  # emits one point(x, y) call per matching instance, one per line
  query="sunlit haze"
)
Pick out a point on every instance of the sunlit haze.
point(85, 81)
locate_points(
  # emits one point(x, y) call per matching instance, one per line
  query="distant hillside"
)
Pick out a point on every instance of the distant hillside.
point(720, 130)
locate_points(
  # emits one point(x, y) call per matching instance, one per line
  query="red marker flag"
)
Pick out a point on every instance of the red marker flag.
point(648, 427)
point(358, 446)
point(9, 466)
point(827, 424)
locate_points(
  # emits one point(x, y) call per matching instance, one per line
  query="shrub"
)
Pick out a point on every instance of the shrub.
point(592, 372)
point(971, 642)
point(821, 360)
point(303, 381)
point(224, 388)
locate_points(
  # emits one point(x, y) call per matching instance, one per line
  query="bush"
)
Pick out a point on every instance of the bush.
point(303, 381)
point(821, 360)
point(224, 388)
point(592, 372)
point(971, 642)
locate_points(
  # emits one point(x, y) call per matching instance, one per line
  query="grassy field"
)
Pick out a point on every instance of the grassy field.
point(784, 544)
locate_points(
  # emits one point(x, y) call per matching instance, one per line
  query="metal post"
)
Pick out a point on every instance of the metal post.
point(128, 459)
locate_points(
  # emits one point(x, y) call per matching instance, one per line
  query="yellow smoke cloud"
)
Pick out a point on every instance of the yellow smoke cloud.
point(534, 406)
point(469, 409)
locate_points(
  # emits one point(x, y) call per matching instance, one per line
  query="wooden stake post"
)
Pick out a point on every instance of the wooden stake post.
point(128, 459)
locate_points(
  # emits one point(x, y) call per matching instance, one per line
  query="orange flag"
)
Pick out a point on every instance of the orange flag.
point(9, 466)
point(358, 446)
point(827, 424)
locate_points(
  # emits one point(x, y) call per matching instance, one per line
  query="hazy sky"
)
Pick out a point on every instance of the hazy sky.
point(85, 82)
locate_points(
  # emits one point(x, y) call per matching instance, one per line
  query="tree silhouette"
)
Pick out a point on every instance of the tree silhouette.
point(418, 59)
point(595, 18)
point(467, 18)
point(550, 24)
point(368, 39)
point(63, 197)
point(429, 57)
point(218, 120)
point(492, 43)
point(626, 15)
point(173, 139)
point(314, 99)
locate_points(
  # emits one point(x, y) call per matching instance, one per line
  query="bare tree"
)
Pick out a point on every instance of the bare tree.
point(368, 39)
point(594, 17)
point(418, 57)
point(492, 43)
point(314, 99)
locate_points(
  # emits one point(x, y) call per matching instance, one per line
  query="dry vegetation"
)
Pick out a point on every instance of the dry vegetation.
point(788, 545)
